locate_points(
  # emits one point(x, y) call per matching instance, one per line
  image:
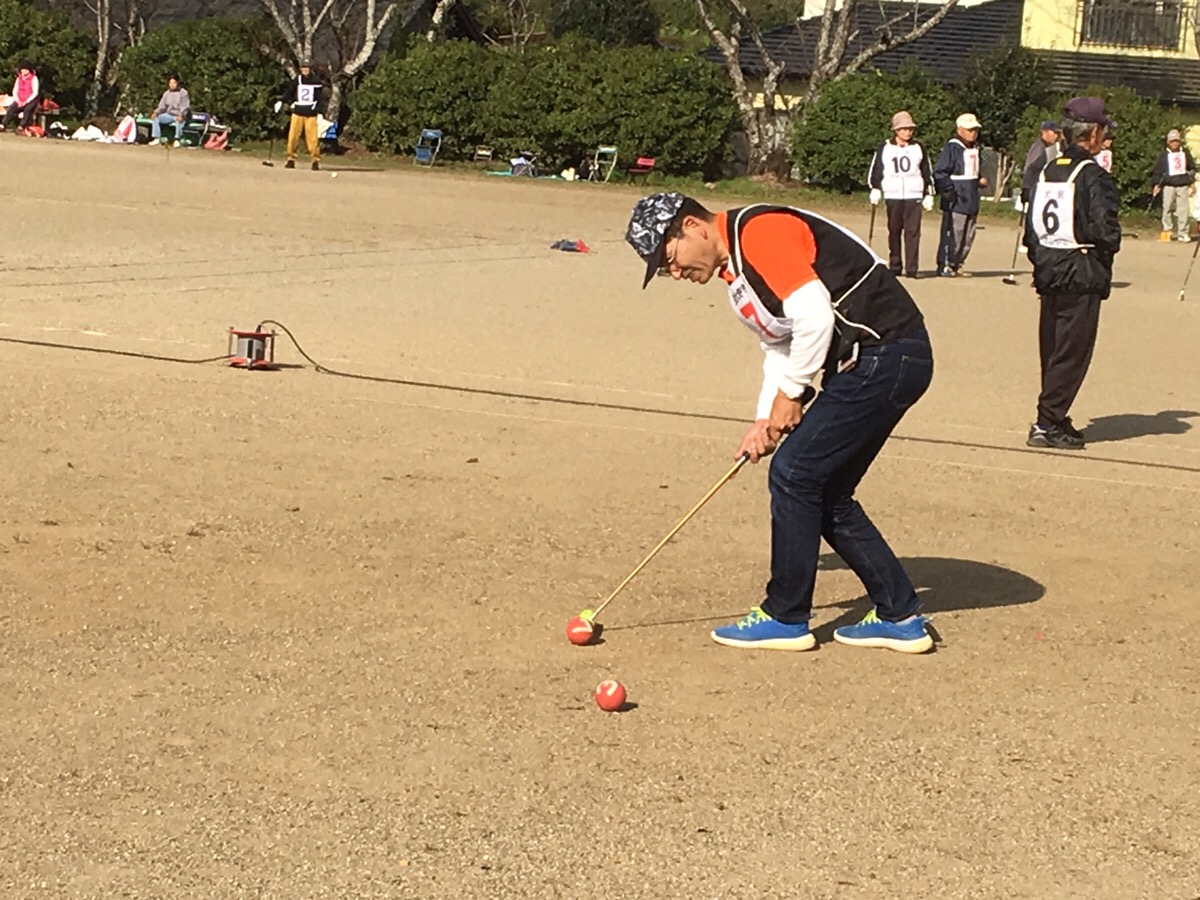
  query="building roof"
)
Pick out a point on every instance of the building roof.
point(941, 51)
point(1155, 78)
point(944, 49)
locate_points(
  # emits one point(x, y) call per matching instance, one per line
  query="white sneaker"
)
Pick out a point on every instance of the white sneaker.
point(176, 144)
point(1183, 238)
point(155, 142)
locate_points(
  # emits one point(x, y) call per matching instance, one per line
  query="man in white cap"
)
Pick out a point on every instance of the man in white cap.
point(1174, 176)
point(900, 176)
point(957, 179)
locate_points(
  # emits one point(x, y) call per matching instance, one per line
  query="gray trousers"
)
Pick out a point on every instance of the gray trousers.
point(957, 236)
point(1175, 199)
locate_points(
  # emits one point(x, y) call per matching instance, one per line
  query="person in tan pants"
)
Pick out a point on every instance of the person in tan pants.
point(302, 94)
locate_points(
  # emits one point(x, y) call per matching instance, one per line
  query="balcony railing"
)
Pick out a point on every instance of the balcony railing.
point(1143, 24)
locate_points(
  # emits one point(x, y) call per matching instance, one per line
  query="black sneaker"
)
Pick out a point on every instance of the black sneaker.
point(290, 164)
point(316, 167)
point(1052, 438)
point(1067, 426)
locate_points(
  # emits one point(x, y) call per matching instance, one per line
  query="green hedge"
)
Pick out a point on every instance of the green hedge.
point(1141, 136)
point(835, 141)
point(225, 64)
point(433, 86)
point(558, 101)
point(61, 53)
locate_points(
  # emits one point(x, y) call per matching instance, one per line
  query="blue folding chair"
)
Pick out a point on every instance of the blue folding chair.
point(427, 147)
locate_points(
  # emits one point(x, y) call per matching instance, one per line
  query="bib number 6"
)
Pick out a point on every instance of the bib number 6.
point(1050, 220)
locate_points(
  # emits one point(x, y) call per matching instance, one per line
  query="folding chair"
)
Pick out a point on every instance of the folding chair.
point(483, 154)
point(603, 163)
point(427, 147)
point(643, 167)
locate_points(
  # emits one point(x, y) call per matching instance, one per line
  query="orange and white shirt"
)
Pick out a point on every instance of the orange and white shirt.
point(810, 290)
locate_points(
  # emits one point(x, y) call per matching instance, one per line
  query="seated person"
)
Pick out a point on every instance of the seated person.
point(174, 108)
point(25, 96)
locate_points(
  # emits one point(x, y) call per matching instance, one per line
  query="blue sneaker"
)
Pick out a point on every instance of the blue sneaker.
point(758, 631)
point(872, 631)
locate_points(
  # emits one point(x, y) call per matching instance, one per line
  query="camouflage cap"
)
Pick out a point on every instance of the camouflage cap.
point(651, 217)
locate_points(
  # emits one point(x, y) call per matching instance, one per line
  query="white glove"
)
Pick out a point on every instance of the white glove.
point(278, 105)
point(927, 203)
point(876, 196)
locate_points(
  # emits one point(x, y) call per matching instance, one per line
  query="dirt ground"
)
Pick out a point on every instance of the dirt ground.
point(291, 635)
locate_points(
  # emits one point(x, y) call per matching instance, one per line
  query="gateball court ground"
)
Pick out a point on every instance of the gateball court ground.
point(289, 635)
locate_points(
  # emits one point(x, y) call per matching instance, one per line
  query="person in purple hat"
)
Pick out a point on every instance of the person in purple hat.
point(820, 303)
point(1072, 234)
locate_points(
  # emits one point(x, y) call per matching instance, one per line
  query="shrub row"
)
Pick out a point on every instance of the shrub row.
point(833, 145)
point(558, 101)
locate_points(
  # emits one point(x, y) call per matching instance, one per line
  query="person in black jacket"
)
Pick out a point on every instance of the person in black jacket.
point(1174, 176)
point(1072, 234)
point(302, 94)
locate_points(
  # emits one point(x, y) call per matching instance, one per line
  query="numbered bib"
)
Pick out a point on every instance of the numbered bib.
point(750, 310)
point(1052, 212)
point(1176, 163)
point(902, 178)
point(971, 162)
point(1104, 160)
point(306, 94)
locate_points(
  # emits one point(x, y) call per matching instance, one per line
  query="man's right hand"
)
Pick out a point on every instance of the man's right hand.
point(1157, 188)
point(876, 196)
point(757, 442)
point(278, 105)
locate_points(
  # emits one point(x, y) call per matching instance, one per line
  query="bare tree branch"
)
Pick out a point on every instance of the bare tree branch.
point(891, 43)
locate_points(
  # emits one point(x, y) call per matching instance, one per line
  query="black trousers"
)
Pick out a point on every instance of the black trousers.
point(904, 219)
point(1066, 337)
point(25, 113)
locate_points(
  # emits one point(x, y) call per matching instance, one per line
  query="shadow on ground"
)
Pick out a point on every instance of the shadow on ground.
point(1125, 426)
point(945, 585)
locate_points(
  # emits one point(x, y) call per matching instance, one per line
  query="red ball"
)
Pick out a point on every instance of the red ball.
point(610, 695)
point(580, 631)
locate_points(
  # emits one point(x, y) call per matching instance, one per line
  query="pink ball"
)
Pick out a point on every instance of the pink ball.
point(580, 631)
point(610, 695)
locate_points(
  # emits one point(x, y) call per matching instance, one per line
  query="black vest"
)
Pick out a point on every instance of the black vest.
point(870, 305)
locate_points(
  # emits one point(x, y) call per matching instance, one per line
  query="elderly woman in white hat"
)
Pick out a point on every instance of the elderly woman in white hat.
point(957, 179)
point(901, 177)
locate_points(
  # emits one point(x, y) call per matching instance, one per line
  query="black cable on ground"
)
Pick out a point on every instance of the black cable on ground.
point(108, 352)
point(567, 401)
point(681, 414)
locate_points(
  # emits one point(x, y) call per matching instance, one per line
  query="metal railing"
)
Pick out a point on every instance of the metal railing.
point(1143, 24)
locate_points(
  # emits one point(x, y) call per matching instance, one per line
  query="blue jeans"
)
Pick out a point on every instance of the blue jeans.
point(816, 469)
point(165, 119)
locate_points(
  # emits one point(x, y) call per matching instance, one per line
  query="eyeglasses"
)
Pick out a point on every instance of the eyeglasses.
point(669, 259)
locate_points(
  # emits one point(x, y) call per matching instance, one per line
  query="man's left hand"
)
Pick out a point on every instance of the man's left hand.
point(785, 416)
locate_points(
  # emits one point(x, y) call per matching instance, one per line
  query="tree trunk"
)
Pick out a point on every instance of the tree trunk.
point(337, 91)
point(769, 129)
point(103, 13)
point(439, 19)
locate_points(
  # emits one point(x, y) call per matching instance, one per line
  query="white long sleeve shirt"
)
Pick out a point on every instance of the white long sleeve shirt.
point(792, 364)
